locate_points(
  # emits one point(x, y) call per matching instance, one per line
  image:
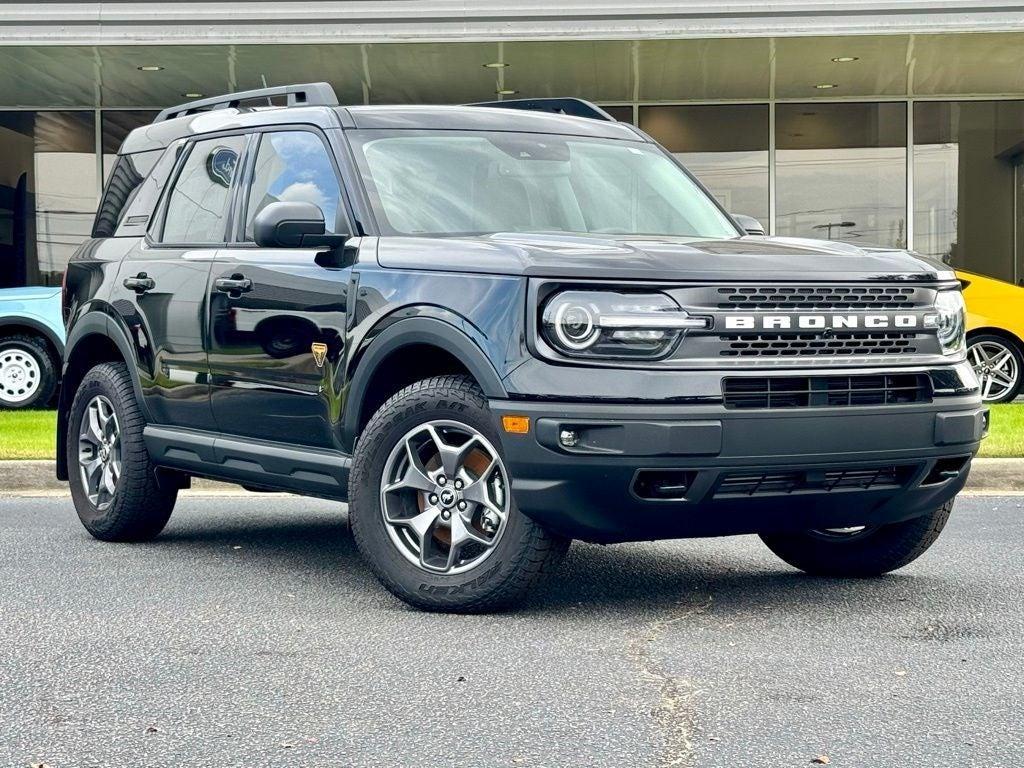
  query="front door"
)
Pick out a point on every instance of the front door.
point(277, 318)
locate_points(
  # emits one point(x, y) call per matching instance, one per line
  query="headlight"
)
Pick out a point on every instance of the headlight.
point(608, 324)
point(950, 321)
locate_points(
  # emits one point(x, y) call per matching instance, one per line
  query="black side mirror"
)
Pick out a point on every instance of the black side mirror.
point(293, 225)
point(750, 225)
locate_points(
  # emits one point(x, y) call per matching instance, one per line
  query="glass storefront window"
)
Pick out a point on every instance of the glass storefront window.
point(841, 172)
point(968, 163)
point(48, 192)
point(725, 146)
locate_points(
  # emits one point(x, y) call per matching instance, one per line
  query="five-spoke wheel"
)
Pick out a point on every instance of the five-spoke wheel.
point(998, 365)
point(431, 505)
point(99, 452)
point(444, 496)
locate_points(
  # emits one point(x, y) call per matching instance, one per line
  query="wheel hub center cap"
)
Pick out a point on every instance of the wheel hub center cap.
point(447, 497)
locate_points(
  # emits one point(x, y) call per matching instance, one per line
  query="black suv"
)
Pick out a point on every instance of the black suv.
point(491, 329)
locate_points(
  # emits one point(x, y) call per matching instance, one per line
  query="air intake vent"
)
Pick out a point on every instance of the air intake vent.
point(810, 481)
point(826, 391)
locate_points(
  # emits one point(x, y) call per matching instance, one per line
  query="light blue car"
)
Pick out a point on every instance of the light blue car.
point(31, 346)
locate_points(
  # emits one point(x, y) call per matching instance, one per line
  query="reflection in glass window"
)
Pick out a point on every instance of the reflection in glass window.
point(47, 193)
point(468, 182)
point(725, 146)
point(841, 172)
point(294, 166)
point(198, 204)
point(968, 184)
point(116, 125)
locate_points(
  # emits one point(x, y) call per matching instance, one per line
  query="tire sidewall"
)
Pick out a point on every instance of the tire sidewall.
point(367, 521)
point(47, 371)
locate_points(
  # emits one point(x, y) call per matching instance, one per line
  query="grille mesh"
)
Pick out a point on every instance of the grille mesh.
point(826, 391)
point(815, 297)
point(811, 345)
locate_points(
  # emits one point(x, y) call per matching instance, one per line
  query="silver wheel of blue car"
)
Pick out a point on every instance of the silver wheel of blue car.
point(28, 371)
point(444, 497)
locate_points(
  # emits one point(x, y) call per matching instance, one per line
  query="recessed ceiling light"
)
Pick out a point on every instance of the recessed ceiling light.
point(506, 92)
point(192, 95)
point(825, 86)
point(496, 65)
point(149, 68)
point(845, 59)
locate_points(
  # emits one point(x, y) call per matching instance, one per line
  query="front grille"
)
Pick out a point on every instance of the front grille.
point(826, 391)
point(833, 298)
point(783, 483)
point(815, 345)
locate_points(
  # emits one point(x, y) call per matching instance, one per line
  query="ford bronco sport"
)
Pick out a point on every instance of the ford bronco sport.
point(492, 329)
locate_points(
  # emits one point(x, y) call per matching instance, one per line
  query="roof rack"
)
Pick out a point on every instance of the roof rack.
point(304, 95)
point(561, 106)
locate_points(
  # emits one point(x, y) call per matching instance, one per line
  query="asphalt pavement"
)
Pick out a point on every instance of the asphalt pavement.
point(250, 634)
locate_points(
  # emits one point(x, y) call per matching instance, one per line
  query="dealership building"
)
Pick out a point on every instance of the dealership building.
point(877, 123)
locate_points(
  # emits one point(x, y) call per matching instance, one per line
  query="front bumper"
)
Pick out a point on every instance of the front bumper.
point(642, 472)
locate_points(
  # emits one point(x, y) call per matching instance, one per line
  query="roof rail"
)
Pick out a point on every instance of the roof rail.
point(562, 106)
point(303, 95)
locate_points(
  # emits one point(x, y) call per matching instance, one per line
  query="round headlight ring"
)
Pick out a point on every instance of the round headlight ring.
point(574, 326)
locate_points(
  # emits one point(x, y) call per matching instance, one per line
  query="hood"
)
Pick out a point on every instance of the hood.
point(658, 258)
point(29, 293)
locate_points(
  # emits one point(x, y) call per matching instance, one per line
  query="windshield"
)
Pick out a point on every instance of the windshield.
point(470, 182)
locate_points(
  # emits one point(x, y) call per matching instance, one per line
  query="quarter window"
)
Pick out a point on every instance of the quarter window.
point(293, 166)
point(197, 208)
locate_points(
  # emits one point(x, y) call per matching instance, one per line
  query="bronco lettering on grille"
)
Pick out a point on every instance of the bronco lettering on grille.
point(820, 322)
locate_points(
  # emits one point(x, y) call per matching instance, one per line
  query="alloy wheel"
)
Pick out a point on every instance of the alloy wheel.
point(20, 376)
point(99, 452)
point(996, 367)
point(444, 497)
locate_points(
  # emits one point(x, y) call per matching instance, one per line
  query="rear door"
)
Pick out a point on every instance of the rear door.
point(277, 317)
point(160, 291)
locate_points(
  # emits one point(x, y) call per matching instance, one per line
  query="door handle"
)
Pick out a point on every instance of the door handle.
point(236, 284)
point(140, 283)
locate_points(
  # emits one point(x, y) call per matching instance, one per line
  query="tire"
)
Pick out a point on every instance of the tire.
point(139, 506)
point(489, 578)
point(870, 552)
point(999, 363)
point(28, 372)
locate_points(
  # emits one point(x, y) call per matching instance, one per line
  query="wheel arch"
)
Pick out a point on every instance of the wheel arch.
point(993, 330)
point(93, 339)
point(27, 325)
point(402, 354)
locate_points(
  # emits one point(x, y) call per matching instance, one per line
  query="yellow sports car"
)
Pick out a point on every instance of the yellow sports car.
point(995, 335)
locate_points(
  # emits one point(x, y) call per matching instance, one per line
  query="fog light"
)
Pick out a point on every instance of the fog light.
point(568, 438)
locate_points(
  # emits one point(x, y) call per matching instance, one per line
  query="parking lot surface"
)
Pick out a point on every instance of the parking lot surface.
point(250, 634)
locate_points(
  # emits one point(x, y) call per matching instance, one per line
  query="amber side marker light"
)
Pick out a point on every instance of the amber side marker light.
point(516, 425)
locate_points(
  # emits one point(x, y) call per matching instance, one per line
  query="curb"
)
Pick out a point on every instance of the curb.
point(987, 476)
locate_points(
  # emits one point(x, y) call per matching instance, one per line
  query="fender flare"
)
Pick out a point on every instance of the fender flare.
point(408, 332)
point(41, 328)
point(93, 324)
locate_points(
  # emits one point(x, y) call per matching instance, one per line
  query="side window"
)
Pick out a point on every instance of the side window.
point(197, 207)
point(128, 174)
point(293, 166)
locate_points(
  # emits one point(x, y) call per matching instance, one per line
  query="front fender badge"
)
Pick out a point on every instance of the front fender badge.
point(319, 350)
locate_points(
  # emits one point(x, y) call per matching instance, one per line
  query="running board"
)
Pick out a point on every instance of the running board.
point(311, 471)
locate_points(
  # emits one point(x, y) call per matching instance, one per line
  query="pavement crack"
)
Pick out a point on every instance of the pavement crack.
point(674, 713)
